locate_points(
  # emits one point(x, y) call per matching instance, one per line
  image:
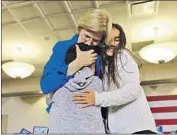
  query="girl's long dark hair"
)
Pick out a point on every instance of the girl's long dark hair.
point(111, 61)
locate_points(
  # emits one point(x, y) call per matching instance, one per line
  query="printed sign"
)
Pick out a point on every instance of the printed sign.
point(40, 130)
point(25, 131)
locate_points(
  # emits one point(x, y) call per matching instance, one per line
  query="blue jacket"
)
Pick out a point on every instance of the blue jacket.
point(54, 74)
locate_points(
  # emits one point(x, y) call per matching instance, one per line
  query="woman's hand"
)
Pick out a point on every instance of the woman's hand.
point(87, 98)
point(85, 58)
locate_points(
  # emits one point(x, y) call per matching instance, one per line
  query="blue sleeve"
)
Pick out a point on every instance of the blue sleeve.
point(54, 74)
point(98, 66)
point(48, 108)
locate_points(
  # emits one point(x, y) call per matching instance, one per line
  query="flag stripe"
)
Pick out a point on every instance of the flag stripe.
point(166, 122)
point(166, 132)
point(168, 115)
point(163, 109)
point(161, 98)
point(163, 103)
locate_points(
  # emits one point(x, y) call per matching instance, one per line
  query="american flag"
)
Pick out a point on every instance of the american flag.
point(164, 109)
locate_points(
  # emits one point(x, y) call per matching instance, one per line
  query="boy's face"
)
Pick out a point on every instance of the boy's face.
point(90, 38)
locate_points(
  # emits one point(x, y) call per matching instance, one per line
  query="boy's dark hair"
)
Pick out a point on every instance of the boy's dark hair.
point(71, 53)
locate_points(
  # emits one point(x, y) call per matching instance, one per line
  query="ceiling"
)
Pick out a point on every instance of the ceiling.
point(36, 26)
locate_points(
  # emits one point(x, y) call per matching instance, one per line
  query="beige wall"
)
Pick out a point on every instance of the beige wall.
point(147, 72)
point(31, 84)
point(166, 89)
point(24, 113)
point(4, 123)
point(156, 71)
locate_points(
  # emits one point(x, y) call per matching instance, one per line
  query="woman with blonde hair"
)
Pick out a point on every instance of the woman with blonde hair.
point(93, 28)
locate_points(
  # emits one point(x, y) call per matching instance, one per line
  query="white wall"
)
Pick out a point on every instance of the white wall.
point(23, 114)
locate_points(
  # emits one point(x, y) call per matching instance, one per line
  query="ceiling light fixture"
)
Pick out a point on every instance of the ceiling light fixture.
point(18, 69)
point(159, 53)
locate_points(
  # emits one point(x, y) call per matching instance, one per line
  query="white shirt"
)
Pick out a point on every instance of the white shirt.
point(128, 111)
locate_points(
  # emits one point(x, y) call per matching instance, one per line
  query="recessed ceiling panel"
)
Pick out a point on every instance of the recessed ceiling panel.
point(12, 31)
point(80, 14)
point(60, 22)
point(28, 11)
point(37, 26)
point(107, 2)
point(77, 5)
point(49, 39)
point(6, 16)
point(66, 34)
point(118, 10)
point(2, 6)
point(52, 7)
point(12, 2)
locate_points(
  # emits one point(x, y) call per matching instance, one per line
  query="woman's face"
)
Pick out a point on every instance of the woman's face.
point(113, 42)
point(90, 38)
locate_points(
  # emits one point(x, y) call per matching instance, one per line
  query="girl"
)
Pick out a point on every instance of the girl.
point(128, 109)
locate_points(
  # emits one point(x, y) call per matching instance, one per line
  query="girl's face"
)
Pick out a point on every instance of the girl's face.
point(113, 42)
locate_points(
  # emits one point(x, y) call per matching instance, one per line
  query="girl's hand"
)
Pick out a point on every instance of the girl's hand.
point(87, 98)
